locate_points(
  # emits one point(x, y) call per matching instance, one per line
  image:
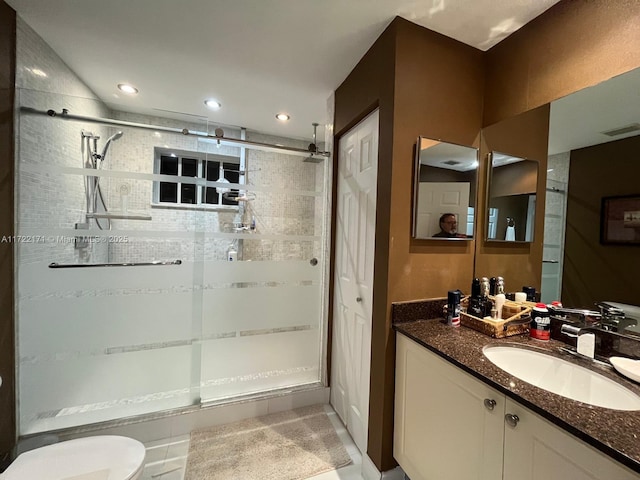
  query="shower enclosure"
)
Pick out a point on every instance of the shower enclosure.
point(158, 270)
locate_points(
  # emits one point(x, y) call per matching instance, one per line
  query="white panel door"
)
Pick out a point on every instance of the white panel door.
point(353, 278)
point(437, 198)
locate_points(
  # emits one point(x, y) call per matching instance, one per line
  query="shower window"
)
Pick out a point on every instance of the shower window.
point(194, 173)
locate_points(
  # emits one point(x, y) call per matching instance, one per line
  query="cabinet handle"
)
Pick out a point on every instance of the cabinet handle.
point(512, 419)
point(358, 299)
point(489, 403)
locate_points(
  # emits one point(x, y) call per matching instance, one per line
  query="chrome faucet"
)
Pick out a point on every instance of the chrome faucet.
point(585, 338)
point(587, 317)
point(613, 318)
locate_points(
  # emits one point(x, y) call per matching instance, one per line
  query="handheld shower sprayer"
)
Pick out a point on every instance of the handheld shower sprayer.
point(93, 159)
point(112, 138)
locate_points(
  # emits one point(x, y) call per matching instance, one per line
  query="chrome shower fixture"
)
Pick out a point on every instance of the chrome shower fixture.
point(87, 134)
point(112, 138)
point(313, 149)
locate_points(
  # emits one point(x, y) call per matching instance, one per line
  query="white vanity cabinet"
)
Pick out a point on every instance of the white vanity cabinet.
point(443, 430)
point(451, 426)
point(534, 449)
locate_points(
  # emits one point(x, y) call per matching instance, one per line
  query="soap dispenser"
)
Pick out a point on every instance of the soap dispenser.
point(232, 253)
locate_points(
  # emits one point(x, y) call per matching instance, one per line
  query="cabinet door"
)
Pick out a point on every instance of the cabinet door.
point(442, 429)
point(535, 449)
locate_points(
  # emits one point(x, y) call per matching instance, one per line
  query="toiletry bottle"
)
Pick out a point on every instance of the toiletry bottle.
point(531, 293)
point(453, 308)
point(485, 302)
point(493, 286)
point(475, 308)
point(540, 328)
point(520, 297)
point(500, 285)
point(500, 300)
point(552, 309)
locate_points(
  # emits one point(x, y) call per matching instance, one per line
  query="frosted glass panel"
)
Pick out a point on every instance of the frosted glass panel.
point(260, 362)
point(269, 321)
point(70, 392)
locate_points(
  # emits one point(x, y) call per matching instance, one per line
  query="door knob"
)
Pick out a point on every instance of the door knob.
point(512, 419)
point(489, 403)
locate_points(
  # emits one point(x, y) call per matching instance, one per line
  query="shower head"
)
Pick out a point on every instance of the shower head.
point(112, 138)
point(316, 155)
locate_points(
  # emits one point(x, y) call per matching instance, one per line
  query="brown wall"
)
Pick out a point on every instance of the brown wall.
point(514, 179)
point(426, 84)
point(371, 85)
point(7, 349)
point(592, 271)
point(573, 45)
point(525, 135)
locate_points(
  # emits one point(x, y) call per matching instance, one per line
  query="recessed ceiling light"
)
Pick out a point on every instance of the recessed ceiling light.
point(37, 72)
point(283, 117)
point(126, 88)
point(211, 103)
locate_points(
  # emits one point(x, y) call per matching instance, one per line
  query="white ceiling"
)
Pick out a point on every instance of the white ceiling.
point(257, 57)
point(579, 119)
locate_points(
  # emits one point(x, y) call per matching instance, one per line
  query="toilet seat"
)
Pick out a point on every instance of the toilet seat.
point(106, 457)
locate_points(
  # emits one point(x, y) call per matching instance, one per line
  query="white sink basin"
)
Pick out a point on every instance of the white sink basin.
point(562, 378)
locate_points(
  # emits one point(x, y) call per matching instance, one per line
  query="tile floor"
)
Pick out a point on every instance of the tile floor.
point(166, 459)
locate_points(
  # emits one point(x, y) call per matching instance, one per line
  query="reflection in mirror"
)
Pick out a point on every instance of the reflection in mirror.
point(444, 190)
point(589, 159)
point(511, 198)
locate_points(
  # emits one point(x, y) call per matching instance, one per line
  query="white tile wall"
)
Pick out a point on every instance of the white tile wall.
point(49, 200)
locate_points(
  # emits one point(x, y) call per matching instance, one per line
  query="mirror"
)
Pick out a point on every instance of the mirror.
point(593, 145)
point(511, 198)
point(445, 183)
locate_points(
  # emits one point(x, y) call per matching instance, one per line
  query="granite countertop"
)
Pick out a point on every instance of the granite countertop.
point(614, 432)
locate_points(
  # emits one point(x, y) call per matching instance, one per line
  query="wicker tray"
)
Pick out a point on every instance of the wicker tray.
point(516, 320)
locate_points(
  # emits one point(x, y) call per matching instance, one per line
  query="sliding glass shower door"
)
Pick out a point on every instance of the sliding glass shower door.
point(158, 270)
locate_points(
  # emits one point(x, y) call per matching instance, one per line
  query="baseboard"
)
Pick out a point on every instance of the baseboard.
point(370, 471)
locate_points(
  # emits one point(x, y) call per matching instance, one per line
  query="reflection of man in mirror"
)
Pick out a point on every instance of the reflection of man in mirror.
point(449, 227)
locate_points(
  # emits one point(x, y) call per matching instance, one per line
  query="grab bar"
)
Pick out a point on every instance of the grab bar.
point(139, 264)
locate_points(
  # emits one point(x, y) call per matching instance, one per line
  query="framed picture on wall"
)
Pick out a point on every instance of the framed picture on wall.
point(620, 220)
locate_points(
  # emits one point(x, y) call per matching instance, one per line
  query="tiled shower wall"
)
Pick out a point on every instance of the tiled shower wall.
point(45, 198)
point(555, 205)
point(554, 225)
point(53, 201)
point(278, 211)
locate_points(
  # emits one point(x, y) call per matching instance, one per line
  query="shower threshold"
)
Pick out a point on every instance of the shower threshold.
point(168, 423)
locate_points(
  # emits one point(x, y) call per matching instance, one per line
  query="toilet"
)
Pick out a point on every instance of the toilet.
point(105, 457)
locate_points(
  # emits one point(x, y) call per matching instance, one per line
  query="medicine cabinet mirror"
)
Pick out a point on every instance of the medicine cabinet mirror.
point(511, 198)
point(445, 183)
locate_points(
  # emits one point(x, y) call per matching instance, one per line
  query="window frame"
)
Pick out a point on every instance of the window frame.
point(201, 158)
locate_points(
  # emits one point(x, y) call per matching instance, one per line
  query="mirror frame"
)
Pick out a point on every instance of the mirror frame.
point(416, 188)
point(490, 157)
